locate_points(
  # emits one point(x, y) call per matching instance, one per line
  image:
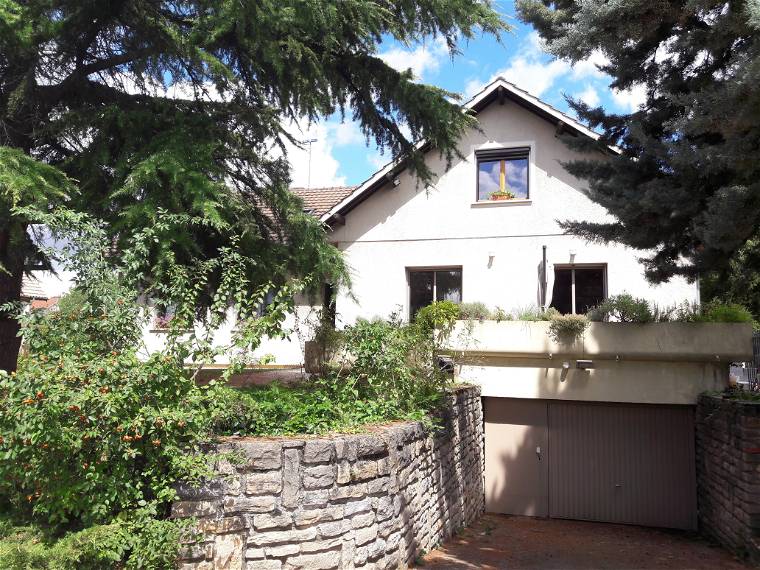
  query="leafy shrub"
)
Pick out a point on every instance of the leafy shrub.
point(500, 314)
point(566, 328)
point(534, 313)
point(94, 433)
point(622, 308)
point(473, 311)
point(723, 313)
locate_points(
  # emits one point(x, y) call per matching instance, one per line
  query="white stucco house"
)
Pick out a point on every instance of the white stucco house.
point(407, 245)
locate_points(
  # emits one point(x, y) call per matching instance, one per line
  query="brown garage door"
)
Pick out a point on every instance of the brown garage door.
point(624, 463)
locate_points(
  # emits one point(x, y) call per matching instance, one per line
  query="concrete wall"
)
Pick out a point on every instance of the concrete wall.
point(357, 501)
point(658, 363)
point(728, 473)
point(410, 226)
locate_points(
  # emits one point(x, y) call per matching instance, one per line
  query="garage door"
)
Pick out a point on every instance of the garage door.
point(622, 463)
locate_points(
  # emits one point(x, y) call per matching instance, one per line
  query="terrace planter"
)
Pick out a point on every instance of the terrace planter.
point(626, 362)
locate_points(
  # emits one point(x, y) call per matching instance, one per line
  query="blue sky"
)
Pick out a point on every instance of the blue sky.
point(340, 156)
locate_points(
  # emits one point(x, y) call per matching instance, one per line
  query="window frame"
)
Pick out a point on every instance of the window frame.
point(502, 154)
point(434, 269)
point(572, 267)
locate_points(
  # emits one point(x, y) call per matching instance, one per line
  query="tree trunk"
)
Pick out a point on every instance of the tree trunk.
point(12, 260)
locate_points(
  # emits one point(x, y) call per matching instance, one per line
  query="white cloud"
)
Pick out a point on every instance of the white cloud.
point(589, 67)
point(631, 99)
point(529, 70)
point(424, 59)
point(345, 133)
point(323, 168)
point(589, 96)
point(536, 71)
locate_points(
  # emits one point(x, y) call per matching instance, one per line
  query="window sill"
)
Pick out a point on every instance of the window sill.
point(489, 203)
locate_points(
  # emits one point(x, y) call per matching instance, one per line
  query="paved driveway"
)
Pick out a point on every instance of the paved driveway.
point(501, 541)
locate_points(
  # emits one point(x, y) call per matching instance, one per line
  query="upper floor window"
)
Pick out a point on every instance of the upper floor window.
point(503, 174)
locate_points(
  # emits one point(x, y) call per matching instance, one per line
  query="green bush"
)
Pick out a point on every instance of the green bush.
point(622, 308)
point(536, 314)
point(474, 311)
point(723, 313)
point(566, 328)
point(500, 314)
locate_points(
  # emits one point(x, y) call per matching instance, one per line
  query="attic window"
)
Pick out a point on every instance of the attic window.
point(503, 173)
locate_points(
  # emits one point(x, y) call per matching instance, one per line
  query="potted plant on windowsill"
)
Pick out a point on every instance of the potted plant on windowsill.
point(502, 195)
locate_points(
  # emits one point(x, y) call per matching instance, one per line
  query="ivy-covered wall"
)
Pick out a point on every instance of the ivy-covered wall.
point(373, 500)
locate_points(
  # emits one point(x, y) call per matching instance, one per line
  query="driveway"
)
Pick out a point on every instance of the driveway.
point(502, 541)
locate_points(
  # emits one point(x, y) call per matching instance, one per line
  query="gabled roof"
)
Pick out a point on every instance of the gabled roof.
point(31, 288)
point(319, 201)
point(498, 89)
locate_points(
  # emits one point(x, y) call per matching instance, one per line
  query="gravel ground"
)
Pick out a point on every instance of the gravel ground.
point(502, 541)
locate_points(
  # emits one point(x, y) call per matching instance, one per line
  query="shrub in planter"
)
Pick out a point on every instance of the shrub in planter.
point(499, 195)
point(567, 328)
point(473, 311)
point(622, 308)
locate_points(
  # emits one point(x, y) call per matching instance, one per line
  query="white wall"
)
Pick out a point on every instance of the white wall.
point(286, 352)
point(410, 226)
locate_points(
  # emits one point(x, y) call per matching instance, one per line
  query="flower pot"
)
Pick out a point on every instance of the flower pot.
point(497, 198)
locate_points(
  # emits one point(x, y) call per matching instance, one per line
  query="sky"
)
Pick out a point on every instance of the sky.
point(340, 157)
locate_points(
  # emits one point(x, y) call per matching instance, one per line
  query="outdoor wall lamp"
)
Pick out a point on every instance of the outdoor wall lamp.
point(584, 364)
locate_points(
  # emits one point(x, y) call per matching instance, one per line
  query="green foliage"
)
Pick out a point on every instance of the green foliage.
point(500, 314)
point(567, 328)
point(623, 308)
point(184, 109)
point(725, 313)
point(686, 184)
point(141, 542)
point(739, 282)
point(535, 314)
point(474, 311)
point(95, 432)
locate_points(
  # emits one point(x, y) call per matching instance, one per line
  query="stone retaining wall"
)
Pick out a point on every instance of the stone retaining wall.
point(373, 500)
point(728, 473)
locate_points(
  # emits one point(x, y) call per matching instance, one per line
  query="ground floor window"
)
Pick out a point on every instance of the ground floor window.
point(428, 285)
point(578, 289)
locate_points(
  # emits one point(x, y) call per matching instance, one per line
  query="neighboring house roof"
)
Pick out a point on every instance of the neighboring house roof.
point(31, 288)
point(319, 201)
point(498, 89)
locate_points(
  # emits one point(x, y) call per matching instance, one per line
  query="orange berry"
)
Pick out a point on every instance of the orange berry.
point(156, 442)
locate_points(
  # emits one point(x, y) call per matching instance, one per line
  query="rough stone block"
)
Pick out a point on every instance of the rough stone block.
point(291, 478)
point(228, 552)
point(186, 509)
point(348, 492)
point(282, 550)
point(364, 535)
point(263, 483)
point(314, 516)
point(363, 470)
point(319, 477)
point(261, 454)
point(281, 536)
point(260, 504)
point(272, 521)
point(318, 451)
point(363, 520)
point(320, 561)
point(370, 446)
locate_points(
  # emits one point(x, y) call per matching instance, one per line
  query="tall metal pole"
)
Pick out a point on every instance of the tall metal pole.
point(308, 181)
